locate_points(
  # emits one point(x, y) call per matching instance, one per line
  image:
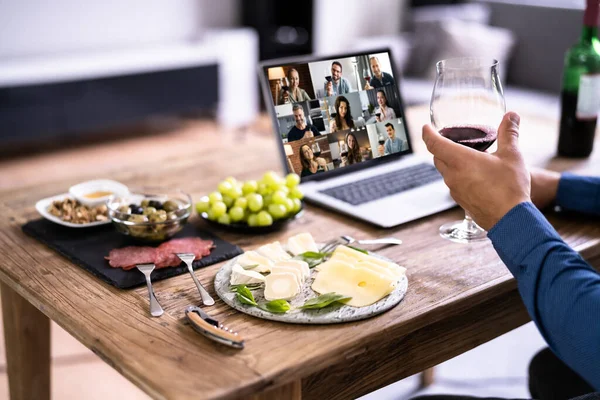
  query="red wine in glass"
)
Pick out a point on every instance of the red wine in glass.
point(367, 78)
point(381, 142)
point(317, 153)
point(478, 137)
point(344, 154)
point(378, 115)
point(328, 78)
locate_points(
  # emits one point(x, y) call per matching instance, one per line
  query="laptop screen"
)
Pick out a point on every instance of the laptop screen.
point(337, 113)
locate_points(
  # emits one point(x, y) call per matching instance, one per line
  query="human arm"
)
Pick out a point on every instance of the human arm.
point(387, 147)
point(569, 191)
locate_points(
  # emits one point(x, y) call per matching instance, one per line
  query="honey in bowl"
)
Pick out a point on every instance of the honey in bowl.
point(97, 194)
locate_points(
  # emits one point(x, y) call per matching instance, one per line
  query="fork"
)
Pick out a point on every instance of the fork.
point(155, 308)
point(384, 240)
point(188, 258)
point(330, 245)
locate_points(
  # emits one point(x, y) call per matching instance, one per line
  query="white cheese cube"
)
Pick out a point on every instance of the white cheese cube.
point(282, 285)
point(249, 258)
point(302, 243)
point(274, 252)
point(302, 266)
point(240, 276)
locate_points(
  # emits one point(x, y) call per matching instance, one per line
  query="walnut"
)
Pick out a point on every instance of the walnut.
point(70, 210)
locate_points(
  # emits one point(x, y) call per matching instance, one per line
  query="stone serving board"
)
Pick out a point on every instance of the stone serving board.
point(333, 314)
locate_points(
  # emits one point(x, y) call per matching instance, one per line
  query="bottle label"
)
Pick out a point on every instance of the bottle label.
point(588, 97)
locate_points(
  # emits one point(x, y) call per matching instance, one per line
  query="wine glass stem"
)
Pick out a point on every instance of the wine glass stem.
point(470, 225)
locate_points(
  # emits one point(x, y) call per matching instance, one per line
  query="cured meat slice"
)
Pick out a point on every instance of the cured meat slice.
point(165, 253)
point(128, 257)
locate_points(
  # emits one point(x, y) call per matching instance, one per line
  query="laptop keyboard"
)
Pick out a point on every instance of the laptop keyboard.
point(380, 186)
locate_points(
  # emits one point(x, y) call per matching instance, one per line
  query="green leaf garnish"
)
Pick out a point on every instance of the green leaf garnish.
point(250, 286)
point(276, 306)
point(312, 258)
point(324, 300)
point(357, 249)
point(244, 295)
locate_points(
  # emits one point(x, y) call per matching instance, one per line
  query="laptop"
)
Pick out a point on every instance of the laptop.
point(340, 124)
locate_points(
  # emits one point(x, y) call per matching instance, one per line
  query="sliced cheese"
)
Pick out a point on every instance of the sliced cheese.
point(352, 256)
point(281, 285)
point(249, 258)
point(277, 269)
point(274, 252)
point(362, 284)
point(302, 243)
point(240, 276)
point(300, 265)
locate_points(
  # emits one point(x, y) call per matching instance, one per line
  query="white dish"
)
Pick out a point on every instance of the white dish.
point(42, 208)
point(79, 191)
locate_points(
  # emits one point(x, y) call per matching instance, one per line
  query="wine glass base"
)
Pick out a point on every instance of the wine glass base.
point(460, 232)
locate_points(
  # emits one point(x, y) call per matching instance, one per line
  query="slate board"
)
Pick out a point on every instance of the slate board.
point(336, 313)
point(88, 247)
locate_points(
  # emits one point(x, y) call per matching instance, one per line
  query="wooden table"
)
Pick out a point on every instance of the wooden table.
point(459, 296)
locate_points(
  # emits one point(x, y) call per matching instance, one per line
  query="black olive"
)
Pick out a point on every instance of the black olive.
point(156, 204)
point(136, 209)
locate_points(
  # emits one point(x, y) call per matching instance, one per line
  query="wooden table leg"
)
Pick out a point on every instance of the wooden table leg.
point(27, 339)
point(291, 391)
point(427, 377)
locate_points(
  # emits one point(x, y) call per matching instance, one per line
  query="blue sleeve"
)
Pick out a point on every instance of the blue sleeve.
point(560, 290)
point(387, 149)
point(579, 193)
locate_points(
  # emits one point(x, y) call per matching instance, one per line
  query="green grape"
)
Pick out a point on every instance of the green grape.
point(297, 205)
point(277, 210)
point(281, 188)
point(264, 219)
point(211, 215)
point(292, 180)
point(253, 220)
point(231, 180)
point(263, 189)
point(255, 202)
point(289, 205)
point(215, 197)
point(224, 219)
point(236, 214)
point(279, 197)
point(270, 178)
point(224, 187)
point(228, 201)
point(235, 192)
point(203, 205)
point(218, 209)
point(267, 200)
point(242, 202)
point(296, 193)
point(249, 187)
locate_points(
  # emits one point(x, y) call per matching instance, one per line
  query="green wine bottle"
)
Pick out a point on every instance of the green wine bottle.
point(580, 100)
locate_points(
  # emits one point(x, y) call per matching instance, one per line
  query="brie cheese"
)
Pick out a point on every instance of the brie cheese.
point(277, 269)
point(282, 285)
point(302, 243)
point(240, 276)
point(274, 252)
point(263, 264)
point(302, 266)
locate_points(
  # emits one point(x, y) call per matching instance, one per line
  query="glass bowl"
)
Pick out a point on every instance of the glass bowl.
point(150, 215)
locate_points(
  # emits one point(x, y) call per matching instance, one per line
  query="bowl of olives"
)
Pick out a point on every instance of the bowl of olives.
point(150, 215)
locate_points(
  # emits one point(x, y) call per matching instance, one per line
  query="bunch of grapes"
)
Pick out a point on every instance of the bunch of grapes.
point(257, 203)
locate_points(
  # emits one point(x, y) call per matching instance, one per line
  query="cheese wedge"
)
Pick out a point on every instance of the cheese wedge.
point(352, 256)
point(240, 276)
point(274, 252)
point(263, 264)
point(300, 265)
point(302, 243)
point(362, 284)
point(277, 269)
point(281, 285)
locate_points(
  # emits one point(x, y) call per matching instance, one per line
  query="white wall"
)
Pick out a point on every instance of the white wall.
point(338, 24)
point(41, 27)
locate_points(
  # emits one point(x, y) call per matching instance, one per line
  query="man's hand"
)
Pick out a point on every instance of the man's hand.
point(381, 150)
point(329, 88)
point(368, 87)
point(486, 185)
point(544, 185)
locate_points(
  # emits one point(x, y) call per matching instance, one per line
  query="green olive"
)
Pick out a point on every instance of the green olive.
point(125, 210)
point(145, 203)
point(158, 216)
point(171, 216)
point(170, 205)
point(149, 210)
point(138, 218)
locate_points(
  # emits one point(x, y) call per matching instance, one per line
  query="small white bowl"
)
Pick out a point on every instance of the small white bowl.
point(82, 191)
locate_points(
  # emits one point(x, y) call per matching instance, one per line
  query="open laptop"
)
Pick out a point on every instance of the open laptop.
point(349, 142)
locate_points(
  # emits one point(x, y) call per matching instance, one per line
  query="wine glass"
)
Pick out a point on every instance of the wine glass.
point(316, 149)
point(367, 75)
point(467, 106)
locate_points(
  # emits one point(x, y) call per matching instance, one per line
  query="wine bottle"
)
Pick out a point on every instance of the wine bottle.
point(580, 100)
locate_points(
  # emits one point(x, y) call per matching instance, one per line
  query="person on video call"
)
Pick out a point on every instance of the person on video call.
point(393, 144)
point(354, 155)
point(379, 78)
point(310, 164)
point(295, 94)
point(301, 130)
point(343, 116)
point(560, 290)
point(338, 84)
point(385, 113)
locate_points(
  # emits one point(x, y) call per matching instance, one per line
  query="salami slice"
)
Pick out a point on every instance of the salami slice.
point(128, 257)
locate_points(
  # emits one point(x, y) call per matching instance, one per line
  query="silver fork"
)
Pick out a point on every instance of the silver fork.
point(330, 245)
point(188, 258)
point(384, 240)
point(155, 308)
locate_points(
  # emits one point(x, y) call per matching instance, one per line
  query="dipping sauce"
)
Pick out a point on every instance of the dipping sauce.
point(98, 194)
